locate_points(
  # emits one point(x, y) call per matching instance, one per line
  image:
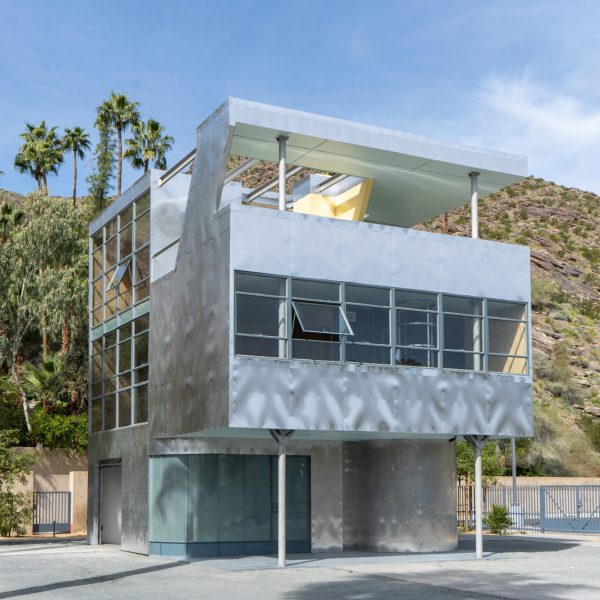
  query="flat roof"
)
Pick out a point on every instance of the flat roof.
point(415, 178)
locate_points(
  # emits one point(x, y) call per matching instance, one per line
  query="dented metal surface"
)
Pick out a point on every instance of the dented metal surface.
point(203, 398)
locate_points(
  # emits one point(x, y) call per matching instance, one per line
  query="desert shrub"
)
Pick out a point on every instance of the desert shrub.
point(498, 519)
point(545, 293)
point(591, 426)
point(561, 367)
point(542, 367)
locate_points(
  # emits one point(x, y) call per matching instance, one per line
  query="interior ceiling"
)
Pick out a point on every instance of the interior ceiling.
point(407, 189)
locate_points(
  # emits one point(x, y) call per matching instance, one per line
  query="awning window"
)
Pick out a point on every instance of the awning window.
point(321, 318)
point(123, 272)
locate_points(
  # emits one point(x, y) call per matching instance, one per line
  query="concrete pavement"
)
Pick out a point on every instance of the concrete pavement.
point(528, 567)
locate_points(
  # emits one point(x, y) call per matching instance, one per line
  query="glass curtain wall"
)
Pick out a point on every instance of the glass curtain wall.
point(120, 280)
point(120, 377)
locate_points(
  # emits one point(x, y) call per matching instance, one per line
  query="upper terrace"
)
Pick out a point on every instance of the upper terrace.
point(332, 167)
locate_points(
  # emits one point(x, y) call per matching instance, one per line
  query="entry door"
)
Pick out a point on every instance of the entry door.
point(110, 504)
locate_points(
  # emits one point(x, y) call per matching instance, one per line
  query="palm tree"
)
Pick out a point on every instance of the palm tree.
point(118, 111)
point(76, 140)
point(41, 153)
point(148, 144)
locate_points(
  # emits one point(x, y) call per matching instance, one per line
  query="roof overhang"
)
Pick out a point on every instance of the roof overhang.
point(415, 178)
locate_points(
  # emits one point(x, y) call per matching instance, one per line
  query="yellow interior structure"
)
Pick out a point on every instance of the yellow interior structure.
point(350, 205)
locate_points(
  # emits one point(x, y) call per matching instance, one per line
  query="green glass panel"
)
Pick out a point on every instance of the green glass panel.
point(155, 499)
point(257, 498)
point(173, 492)
point(231, 504)
point(203, 497)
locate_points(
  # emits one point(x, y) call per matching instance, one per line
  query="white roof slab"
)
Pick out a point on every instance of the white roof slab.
point(416, 178)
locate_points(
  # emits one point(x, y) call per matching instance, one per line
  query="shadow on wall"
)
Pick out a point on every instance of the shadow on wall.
point(445, 584)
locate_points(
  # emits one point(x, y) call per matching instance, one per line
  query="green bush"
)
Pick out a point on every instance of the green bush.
point(545, 293)
point(15, 512)
point(60, 431)
point(591, 426)
point(498, 520)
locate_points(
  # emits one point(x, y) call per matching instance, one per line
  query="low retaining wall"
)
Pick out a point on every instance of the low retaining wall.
point(58, 470)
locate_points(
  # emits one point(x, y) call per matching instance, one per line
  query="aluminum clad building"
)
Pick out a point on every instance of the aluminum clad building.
point(276, 301)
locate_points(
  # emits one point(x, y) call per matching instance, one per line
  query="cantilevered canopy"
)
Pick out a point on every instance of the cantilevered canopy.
point(415, 179)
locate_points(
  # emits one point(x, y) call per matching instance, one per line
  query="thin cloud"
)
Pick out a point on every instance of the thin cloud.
point(558, 131)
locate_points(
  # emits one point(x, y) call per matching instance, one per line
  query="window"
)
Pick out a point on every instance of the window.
point(416, 329)
point(463, 333)
point(119, 377)
point(507, 337)
point(120, 262)
point(261, 315)
point(319, 320)
point(368, 312)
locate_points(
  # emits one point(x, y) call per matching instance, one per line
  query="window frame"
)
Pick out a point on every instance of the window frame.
point(346, 340)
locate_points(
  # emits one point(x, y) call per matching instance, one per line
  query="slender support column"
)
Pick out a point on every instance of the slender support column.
point(478, 504)
point(282, 139)
point(514, 470)
point(281, 436)
point(474, 207)
point(281, 537)
point(478, 442)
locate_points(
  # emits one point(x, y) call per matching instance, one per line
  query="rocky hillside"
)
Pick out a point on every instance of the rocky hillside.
point(562, 227)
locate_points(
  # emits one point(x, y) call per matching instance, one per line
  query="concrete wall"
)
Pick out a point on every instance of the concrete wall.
point(59, 470)
point(399, 496)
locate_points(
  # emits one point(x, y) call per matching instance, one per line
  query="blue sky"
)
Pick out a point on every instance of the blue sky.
point(517, 76)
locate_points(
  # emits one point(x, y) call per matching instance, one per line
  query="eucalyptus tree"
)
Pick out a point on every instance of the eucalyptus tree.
point(40, 153)
point(119, 112)
point(149, 143)
point(42, 286)
point(77, 141)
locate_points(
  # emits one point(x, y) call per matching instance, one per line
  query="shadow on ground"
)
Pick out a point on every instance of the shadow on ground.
point(449, 584)
point(72, 583)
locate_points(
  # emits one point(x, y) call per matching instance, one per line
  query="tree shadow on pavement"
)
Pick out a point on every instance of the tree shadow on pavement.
point(59, 585)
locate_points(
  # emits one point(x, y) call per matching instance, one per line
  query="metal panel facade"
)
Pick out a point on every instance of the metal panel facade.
point(306, 395)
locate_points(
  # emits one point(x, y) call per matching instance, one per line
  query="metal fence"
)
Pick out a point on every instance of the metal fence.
point(51, 512)
point(574, 508)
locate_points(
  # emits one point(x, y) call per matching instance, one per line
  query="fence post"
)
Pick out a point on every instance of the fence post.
point(542, 508)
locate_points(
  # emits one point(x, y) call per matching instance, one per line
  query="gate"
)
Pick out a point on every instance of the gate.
point(574, 508)
point(51, 512)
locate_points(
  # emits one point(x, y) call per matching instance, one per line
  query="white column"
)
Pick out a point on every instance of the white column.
point(282, 168)
point(281, 504)
point(514, 470)
point(474, 208)
point(478, 502)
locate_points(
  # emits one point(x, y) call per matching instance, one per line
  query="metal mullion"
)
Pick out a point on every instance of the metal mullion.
point(288, 310)
point(486, 337)
point(261, 336)
point(393, 333)
point(259, 295)
point(507, 319)
point(342, 342)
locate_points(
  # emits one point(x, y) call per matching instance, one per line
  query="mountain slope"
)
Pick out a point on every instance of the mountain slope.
point(562, 227)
